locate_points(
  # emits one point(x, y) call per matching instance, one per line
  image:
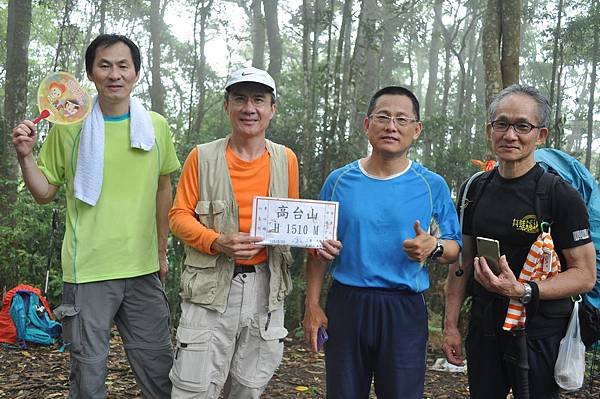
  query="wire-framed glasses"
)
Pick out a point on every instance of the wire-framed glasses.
point(399, 121)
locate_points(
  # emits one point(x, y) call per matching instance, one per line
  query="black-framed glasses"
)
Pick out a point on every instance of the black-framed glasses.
point(519, 127)
point(398, 120)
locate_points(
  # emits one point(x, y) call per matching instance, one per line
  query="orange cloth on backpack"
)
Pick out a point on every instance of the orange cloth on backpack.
point(541, 263)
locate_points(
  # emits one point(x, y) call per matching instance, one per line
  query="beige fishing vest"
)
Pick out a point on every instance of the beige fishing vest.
point(206, 279)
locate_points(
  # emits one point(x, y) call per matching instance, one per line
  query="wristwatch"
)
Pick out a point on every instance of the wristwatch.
point(438, 251)
point(526, 298)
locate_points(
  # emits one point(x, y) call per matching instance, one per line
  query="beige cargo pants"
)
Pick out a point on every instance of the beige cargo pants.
point(236, 351)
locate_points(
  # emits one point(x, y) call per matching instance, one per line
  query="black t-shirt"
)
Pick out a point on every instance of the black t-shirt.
point(505, 211)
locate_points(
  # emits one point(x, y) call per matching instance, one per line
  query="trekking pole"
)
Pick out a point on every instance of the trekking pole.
point(522, 365)
point(593, 366)
point(51, 250)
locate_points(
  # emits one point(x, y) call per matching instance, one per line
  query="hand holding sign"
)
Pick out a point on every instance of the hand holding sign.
point(62, 100)
point(294, 222)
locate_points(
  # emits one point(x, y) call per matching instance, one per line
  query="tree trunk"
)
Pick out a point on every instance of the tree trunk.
point(434, 49)
point(15, 95)
point(340, 76)
point(63, 28)
point(511, 40)
point(490, 45)
point(447, 81)
point(460, 97)
point(156, 88)
point(103, 16)
point(595, 10)
point(555, 52)
point(346, 154)
point(409, 56)
point(203, 9)
point(258, 34)
point(501, 44)
point(364, 72)
point(79, 71)
point(274, 38)
point(328, 92)
point(312, 25)
point(578, 126)
point(387, 54)
point(472, 71)
point(306, 154)
point(558, 127)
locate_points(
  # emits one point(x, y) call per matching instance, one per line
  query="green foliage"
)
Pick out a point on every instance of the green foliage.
point(454, 147)
point(578, 36)
point(26, 246)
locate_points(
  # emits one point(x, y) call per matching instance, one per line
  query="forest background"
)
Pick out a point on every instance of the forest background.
point(328, 57)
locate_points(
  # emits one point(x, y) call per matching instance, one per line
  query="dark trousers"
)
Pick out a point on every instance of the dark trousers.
point(375, 333)
point(491, 354)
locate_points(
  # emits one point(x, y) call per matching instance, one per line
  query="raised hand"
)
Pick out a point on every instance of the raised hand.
point(419, 248)
point(24, 138)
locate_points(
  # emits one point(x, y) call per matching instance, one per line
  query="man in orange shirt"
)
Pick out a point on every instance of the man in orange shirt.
point(230, 335)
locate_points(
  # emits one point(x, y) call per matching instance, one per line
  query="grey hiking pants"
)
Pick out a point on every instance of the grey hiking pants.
point(140, 310)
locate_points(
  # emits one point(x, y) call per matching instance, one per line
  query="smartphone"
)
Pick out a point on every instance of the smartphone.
point(322, 337)
point(490, 250)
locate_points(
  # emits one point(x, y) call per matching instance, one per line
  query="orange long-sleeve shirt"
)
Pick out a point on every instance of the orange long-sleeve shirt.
point(249, 179)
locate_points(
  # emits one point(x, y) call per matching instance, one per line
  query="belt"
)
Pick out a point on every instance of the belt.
point(240, 269)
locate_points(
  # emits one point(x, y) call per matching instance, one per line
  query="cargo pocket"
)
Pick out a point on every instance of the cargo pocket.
point(199, 283)
point(270, 347)
point(68, 314)
point(212, 213)
point(191, 364)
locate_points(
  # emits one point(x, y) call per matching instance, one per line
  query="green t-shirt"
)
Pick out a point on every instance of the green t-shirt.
point(117, 237)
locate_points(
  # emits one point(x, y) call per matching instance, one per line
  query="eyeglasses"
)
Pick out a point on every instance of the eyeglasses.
point(518, 127)
point(398, 120)
point(256, 100)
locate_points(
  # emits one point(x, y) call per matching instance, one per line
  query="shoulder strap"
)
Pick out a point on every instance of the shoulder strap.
point(543, 199)
point(480, 180)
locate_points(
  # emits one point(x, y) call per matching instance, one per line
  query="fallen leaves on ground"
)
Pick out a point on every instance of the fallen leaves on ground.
point(43, 372)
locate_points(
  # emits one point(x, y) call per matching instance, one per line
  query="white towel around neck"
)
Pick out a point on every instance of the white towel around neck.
point(90, 159)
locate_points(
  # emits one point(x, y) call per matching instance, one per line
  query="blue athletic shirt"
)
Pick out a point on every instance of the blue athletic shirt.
point(376, 215)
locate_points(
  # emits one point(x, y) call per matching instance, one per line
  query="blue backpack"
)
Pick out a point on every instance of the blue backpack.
point(572, 171)
point(32, 321)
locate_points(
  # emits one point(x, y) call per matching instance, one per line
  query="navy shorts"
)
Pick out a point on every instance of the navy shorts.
point(378, 334)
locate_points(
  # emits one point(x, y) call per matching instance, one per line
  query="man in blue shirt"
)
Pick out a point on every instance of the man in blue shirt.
point(376, 317)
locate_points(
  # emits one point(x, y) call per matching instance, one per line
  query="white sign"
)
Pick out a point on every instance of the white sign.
point(294, 222)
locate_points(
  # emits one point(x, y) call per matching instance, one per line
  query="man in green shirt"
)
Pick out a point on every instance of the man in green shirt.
point(116, 169)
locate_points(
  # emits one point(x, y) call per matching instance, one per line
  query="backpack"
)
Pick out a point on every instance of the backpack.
point(30, 319)
point(576, 174)
point(560, 166)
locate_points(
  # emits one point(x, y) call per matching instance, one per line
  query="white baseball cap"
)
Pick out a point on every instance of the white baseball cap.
point(251, 74)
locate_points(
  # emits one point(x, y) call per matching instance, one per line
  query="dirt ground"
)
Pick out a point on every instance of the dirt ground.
point(42, 372)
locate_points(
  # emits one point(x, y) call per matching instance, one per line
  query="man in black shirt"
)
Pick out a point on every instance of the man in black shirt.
point(505, 210)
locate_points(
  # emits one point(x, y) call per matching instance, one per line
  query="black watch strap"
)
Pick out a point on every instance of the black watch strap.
point(438, 251)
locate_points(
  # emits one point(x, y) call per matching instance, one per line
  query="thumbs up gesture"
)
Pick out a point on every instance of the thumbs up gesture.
point(419, 248)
